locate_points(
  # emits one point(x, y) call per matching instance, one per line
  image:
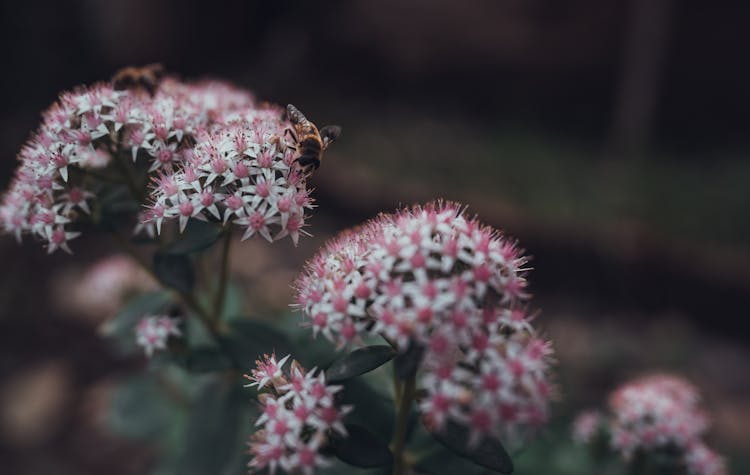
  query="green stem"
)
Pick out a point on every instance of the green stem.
point(223, 277)
point(404, 399)
point(187, 298)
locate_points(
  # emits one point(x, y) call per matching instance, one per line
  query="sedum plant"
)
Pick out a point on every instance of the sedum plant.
point(413, 341)
point(655, 426)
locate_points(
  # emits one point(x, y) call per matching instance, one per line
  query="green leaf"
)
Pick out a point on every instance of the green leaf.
point(234, 303)
point(212, 430)
point(198, 235)
point(248, 339)
point(358, 362)
point(135, 308)
point(489, 453)
point(205, 359)
point(406, 364)
point(139, 409)
point(372, 408)
point(441, 461)
point(175, 270)
point(361, 448)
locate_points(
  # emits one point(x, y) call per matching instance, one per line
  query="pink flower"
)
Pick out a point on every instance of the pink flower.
point(433, 277)
point(266, 370)
point(198, 141)
point(586, 426)
point(298, 416)
point(700, 460)
point(108, 283)
point(153, 331)
point(655, 411)
point(650, 414)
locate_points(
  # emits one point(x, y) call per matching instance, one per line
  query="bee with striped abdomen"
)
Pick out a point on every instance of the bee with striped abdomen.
point(146, 78)
point(310, 143)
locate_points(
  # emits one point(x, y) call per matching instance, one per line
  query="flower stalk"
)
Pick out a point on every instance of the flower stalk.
point(404, 398)
point(221, 291)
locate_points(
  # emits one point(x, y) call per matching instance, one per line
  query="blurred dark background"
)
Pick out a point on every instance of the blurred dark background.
point(609, 136)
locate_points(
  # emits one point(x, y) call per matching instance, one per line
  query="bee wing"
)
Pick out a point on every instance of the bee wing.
point(330, 133)
point(294, 115)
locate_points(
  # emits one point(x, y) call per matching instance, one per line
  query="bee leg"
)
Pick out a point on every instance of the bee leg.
point(291, 132)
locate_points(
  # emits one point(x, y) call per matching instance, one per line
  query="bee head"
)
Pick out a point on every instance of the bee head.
point(329, 134)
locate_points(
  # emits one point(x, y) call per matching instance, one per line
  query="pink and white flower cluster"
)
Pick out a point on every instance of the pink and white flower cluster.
point(586, 426)
point(210, 150)
point(299, 416)
point(153, 331)
point(660, 412)
point(655, 411)
point(701, 460)
point(433, 277)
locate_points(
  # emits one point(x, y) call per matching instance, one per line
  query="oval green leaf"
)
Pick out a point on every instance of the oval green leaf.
point(135, 308)
point(361, 448)
point(198, 235)
point(249, 339)
point(175, 270)
point(359, 362)
point(489, 453)
point(212, 430)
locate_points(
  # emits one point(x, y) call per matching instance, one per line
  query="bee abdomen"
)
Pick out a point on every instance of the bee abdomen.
point(311, 145)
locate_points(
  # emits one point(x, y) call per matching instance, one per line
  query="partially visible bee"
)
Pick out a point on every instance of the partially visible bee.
point(311, 143)
point(146, 78)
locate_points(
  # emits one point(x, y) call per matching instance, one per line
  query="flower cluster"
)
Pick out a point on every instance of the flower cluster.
point(299, 415)
point(659, 412)
point(430, 276)
point(655, 411)
point(700, 460)
point(153, 331)
point(208, 149)
point(47, 193)
point(242, 171)
point(586, 426)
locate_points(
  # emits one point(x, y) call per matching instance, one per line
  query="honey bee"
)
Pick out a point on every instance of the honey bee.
point(311, 143)
point(146, 78)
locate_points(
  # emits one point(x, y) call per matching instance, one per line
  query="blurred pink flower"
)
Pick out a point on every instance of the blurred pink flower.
point(586, 425)
point(700, 460)
point(108, 283)
point(655, 411)
point(153, 331)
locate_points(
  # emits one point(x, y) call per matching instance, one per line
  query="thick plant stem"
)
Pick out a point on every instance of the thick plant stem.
point(223, 278)
point(404, 398)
